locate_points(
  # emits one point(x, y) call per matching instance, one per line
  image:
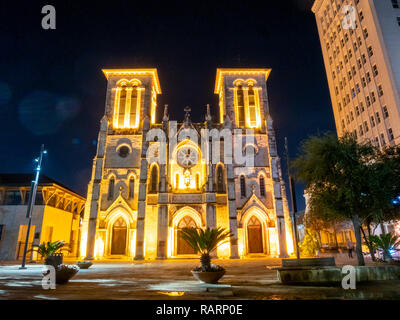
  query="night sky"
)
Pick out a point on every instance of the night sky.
point(52, 90)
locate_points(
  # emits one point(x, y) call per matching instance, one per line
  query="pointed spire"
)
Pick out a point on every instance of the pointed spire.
point(187, 115)
point(165, 117)
point(208, 115)
point(227, 122)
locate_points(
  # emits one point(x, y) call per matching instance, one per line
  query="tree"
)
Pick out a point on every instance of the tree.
point(348, 180)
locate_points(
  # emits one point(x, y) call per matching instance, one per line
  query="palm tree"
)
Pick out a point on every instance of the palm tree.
point(386, 243)
point(204, 242)
point(49, 249)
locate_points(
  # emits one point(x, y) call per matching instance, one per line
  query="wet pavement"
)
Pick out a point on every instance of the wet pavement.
point(171, 279)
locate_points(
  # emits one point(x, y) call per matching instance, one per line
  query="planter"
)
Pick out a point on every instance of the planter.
point(54, 260)
point(84, 264)
point(208, 277)
point(64, 273)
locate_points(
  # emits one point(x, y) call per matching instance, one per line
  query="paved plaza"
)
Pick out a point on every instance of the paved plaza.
point(171, 279)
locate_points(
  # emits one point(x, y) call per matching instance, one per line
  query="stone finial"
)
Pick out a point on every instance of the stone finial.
point(146, 122)
point(208, 115)
point(227, 122)
point(165, 117)
point(187, 115)
point(269, 123)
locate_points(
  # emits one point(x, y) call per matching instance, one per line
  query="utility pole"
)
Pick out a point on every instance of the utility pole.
point(31, 202)
point(293, 198)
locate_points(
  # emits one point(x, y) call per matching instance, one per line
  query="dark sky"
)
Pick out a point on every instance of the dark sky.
point(52, 90)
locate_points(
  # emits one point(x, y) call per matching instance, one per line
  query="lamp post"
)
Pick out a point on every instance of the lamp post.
point(293, 198)
point(31, 202)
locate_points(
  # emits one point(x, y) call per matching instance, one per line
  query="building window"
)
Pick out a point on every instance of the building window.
point(12, 198)
point(111, 184)
point(123, 151)
point(385, 112)
point(220, 180)
point(398, 21)
point(240, 105)
point(262, 186)
point(395, 4)
point(378, 118)
point(368, 101)
point(131, 188)
point(127, 104)
point(357, 111)
point(364, 82)
point(373, 96)
point(1, 231)
point(370, 51)
point(366, 126)
point(383, 142)
point(365, 33)
point(252, 107)
point(242, 187)
point(380, 91)
point(361, 131)
point(390, 134)
point(368, 77)
point(376, 142)
point(153, 185)
point(375, 70)
point(361, 16)
point(372, 121)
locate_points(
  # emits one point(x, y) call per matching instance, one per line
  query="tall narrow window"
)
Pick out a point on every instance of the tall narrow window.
point(240, 106)
point(134, 102)
point(153, 180)
point(111, 184)
point(262, 186)
point(220, 180)
point(252, 107)
point(121, 111)
point(242, 187)
point(131, 188)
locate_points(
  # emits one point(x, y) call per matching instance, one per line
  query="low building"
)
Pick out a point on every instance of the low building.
point(56, 215)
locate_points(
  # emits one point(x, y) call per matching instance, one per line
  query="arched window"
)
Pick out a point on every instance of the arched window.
point(252, 107)
point(153, 185)
point(220, 180)
point(122, 105)
point(240, 106)
point(127, 104)
point(134, 102)
point(111, 184)
point(262, 186)
point(131, 188)
point(242, 187)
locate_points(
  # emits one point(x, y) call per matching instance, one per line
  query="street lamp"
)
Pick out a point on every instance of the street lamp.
point(31, 202)
point(293, 198)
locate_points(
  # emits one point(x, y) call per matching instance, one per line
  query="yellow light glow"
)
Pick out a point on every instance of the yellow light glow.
point(135, 72)
point(99, 248)
point(237, 71)
point(83, 244)
point(173, 293)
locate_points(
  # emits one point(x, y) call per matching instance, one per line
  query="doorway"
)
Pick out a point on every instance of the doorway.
point(119, 232)
point(254, 236)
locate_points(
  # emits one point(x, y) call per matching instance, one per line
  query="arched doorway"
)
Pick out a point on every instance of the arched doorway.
point(254, 236)
point(182, 246)
point(119, 232)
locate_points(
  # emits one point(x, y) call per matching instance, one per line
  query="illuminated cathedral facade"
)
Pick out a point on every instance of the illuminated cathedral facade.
point(151, 179)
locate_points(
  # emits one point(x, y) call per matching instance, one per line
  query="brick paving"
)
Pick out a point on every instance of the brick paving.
point(171, 279)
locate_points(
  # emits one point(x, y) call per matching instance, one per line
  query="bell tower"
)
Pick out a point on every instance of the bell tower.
point(243, 96)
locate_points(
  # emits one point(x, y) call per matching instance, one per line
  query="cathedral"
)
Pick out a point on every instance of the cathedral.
point(151, 179)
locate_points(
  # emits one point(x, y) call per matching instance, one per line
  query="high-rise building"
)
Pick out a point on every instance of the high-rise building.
point(152, 178)
point(360, 42)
